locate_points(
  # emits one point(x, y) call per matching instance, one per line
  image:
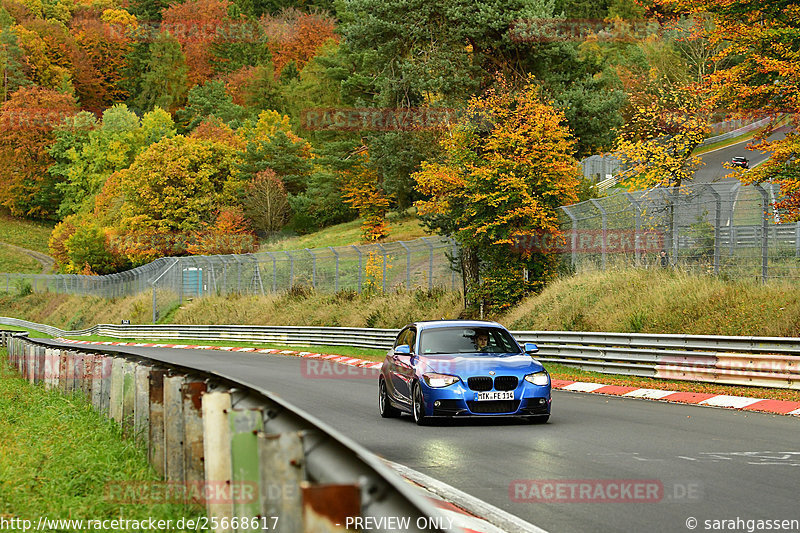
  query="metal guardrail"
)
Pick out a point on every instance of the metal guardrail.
point(206, 429)
point(754, 361)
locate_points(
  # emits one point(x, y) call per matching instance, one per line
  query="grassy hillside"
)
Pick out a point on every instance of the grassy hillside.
point(402, 227)
point(25, 233)
point(13, 261)
point(658, 301)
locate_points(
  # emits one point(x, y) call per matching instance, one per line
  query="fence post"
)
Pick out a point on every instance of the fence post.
point(291, 268)
point(274, 272)
point(336, 255)
point(717, 224)
point(764, 229)
point(673, 229)
point(604, 222)
point(797, 239)
point(313, 268)
point(430, 263)
point(383, 276)
point(408, 264)
point(455, 253)
point(360, 267)
point(574, 237)
point(734, 193)
point(637, 234)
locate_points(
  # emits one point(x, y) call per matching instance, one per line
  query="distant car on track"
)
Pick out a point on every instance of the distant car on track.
point(741, 162)
point(460, 369)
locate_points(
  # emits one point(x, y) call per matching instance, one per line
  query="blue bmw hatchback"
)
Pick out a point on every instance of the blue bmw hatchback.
point(462, 368)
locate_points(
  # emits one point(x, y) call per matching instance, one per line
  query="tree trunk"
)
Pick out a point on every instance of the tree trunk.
point(469, 272)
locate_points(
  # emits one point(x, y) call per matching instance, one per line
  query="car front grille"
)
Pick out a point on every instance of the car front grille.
point(480, 383)
point(498, 406)
point(485, 383)
point(506, 382)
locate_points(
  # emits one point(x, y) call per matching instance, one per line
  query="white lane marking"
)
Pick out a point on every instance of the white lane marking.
point(652, 394)
point(737, 402)
point(581, 386)
point(492, 516)
point(795, 412)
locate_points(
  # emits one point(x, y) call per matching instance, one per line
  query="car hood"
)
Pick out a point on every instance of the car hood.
point(467, 365)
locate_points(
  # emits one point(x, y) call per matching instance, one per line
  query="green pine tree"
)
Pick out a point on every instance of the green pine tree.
point(164, 83)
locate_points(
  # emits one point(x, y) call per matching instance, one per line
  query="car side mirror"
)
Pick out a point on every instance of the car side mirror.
point(531, 347)
point(402, 349)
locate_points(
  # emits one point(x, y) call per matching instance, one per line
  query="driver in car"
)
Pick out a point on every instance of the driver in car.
point(482, 341)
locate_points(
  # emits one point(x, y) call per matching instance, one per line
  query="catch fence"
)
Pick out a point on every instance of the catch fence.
point(720, 228)
point(422, 263)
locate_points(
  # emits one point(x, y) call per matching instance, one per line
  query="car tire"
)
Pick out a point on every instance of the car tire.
point(385, 406)
point(542, 419)
point(418, 406)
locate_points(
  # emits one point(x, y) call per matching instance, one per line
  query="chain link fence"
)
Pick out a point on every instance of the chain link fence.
point(721, 228)
point(421, 263)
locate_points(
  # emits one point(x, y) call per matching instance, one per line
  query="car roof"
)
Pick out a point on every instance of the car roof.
point(738, 157)
point(429, 324)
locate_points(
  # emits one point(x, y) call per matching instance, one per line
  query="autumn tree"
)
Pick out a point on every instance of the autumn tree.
point(272, 144)
point(12, 60)
point(507, 167)
point(196, 24)
point(658, 141)
point(760, 77)
point(266, 202)
point(28, 119)
point(362, 190)
point(295, 37)
point(85, 164)
point(104, 41)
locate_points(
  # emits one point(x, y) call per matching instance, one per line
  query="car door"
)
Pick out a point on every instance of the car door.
point(401, 369)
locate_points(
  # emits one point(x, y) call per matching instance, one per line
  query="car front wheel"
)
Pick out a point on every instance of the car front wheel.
point(418, 404)
point(385, 406)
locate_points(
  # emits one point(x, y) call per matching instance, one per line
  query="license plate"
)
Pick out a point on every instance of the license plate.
point(494, 395)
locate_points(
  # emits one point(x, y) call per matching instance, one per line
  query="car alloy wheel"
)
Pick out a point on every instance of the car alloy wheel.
point(418, 406)
point(385, 406)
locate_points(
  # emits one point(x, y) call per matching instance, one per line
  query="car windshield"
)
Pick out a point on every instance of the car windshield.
point(467, 340)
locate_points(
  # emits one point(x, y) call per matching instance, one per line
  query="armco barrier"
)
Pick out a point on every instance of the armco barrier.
point(754, 361)
point(209, 435)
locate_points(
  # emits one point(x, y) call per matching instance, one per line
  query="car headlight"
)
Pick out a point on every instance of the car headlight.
point(439, 380)
point(539, 378)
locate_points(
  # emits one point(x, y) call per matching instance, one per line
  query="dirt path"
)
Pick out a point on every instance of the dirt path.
point(47, 262)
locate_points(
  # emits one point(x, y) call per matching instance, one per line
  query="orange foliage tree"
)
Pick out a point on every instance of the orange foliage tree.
point(362, 190)
point(761, 79)
point(296, 36)
point(196, 24)
point(27, 120)
point(507, 167)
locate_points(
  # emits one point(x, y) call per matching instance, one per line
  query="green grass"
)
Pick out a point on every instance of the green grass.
point(13, 261)
point(403, 227)
point(58, 456)
point(25, 233)
point(361, 353)
point(31, 333)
